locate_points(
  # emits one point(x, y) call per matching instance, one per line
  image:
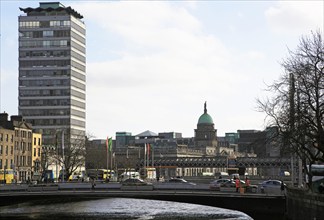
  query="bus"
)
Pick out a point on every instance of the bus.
point(100, 174)
point(148, 173)
point(129, 175)
point(7, 176)
point(317, 171)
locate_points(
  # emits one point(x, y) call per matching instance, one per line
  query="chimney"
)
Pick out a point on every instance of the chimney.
point(3, 117)
point(16, 118)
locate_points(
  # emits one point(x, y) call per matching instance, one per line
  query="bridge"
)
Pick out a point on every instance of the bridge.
point(255, 205)
point(221, 162)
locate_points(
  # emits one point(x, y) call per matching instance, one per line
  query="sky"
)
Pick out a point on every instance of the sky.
point(151, 65)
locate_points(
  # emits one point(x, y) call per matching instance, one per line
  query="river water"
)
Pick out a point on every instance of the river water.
point(119, 209)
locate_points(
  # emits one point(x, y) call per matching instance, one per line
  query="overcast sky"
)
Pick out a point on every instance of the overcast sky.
point(152, 65)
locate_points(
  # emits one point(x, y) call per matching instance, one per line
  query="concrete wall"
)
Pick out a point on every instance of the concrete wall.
point(301, 204)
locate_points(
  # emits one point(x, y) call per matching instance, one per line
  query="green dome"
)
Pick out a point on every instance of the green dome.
point(205, 119)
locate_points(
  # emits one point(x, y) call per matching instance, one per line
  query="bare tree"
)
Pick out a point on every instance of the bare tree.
point(297, 104)
point(70, 152)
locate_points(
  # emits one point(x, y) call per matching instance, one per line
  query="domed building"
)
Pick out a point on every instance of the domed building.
point(206, 134)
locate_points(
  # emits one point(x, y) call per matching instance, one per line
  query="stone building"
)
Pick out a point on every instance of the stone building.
point(206, 134)
point(17, 146)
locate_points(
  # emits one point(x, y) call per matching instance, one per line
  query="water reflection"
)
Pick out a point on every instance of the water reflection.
point(118, 208)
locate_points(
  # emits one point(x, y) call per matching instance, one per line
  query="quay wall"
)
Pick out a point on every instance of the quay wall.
point(302, 204)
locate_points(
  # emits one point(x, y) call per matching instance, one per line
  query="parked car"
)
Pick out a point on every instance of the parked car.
point(134, 182)
point(271, 187)
point(216, 184)
point(231, 183)
point(180, 181)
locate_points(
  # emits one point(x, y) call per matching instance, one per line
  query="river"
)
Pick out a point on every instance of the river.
point(119, 209)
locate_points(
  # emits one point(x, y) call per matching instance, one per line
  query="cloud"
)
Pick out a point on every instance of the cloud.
point(157, 64)
point(295, 17)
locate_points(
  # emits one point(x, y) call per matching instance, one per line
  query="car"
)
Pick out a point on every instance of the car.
point(179, 181)
point(134, 182)
point(271, 187)
point(216, 184)
point(231, 183)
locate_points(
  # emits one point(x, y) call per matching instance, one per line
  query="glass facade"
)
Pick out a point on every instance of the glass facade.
point(52, 70)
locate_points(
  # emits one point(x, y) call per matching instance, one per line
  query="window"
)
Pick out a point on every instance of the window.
point(48, 33)
point(34, 152)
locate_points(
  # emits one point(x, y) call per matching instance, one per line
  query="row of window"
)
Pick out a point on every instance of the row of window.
point(5, 165)
point(49, 122)
point(50, 73)
point(51, 92)
point(44, 63)
point(44, 43)
point(44, 73)
point(6, 137)
point(45, 102)
point(23, 146)
point(23, 133)
point(41, 34)
point(47, 53)
point(21, 161)
point(49, 82)
point(51, 102)
point(5, 150)
point(44, 24)
point(47, 112)
point(44, 92)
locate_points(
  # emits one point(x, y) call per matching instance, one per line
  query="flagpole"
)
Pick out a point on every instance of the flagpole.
point(152, 155)
point(63, 155)
point(107, 154)
point(144, 155)
point(111, 158)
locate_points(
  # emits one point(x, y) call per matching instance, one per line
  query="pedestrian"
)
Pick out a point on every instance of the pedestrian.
point(247, 182)
point(282, 187)
point(237, 184)
point(93, 184)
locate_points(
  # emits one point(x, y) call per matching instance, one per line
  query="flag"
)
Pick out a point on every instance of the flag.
point(148, 149)
point(145, 150)
point(110, 144)
point(107, 143)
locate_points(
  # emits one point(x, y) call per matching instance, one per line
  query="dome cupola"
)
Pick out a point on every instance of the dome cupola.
point(205, 118)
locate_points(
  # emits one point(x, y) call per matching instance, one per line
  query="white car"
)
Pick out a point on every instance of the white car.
point(179, 181)
point(271, 187)
point(216, 184)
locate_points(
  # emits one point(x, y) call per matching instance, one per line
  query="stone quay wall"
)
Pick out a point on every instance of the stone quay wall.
point(304, 205)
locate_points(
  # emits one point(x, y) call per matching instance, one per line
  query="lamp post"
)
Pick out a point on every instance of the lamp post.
point(63, 156)
point(4, 174)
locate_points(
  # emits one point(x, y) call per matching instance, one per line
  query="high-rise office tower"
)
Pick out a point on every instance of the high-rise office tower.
point(52, 71)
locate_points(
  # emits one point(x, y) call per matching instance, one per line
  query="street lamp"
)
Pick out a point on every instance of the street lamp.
point(4, 174)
